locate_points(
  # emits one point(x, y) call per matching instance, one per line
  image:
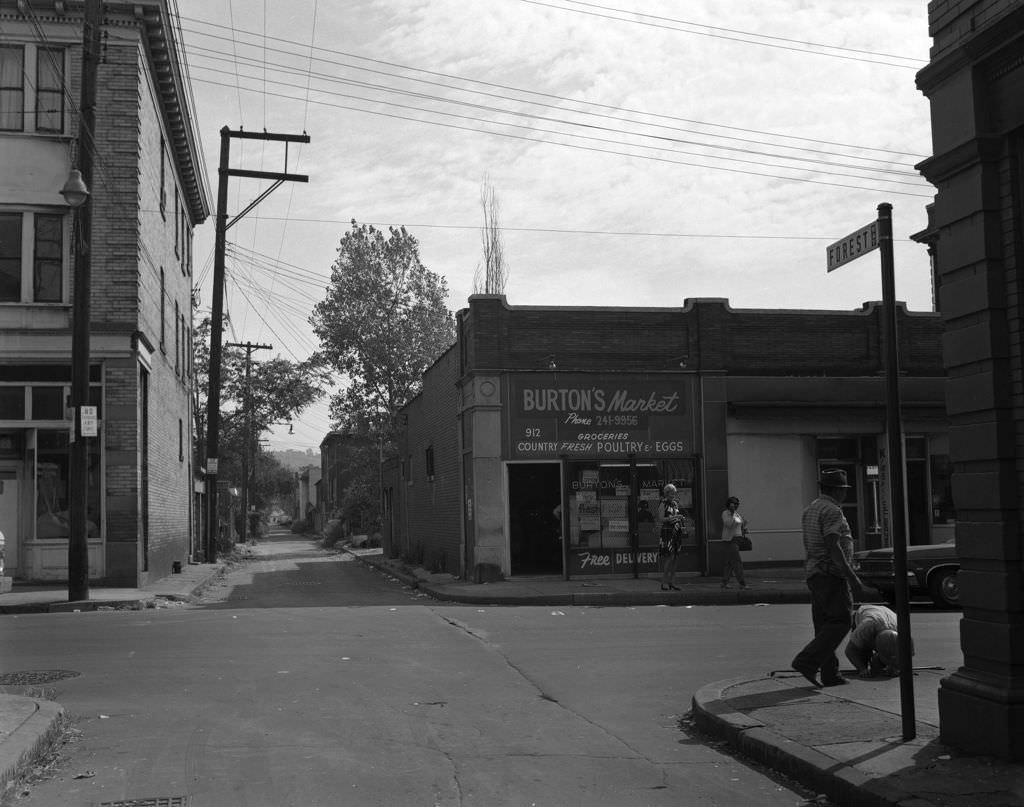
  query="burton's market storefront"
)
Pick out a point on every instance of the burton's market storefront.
point(588, 456)
point(541, 440)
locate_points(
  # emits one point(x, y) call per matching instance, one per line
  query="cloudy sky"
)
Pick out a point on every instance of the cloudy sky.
point(642, 152)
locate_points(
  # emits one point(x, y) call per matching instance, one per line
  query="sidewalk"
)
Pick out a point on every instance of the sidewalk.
point(847, 742)
point(34, 599)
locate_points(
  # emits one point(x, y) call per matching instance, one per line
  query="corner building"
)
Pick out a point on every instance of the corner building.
point(541, 440)
point(147, 195)
point(975, 86)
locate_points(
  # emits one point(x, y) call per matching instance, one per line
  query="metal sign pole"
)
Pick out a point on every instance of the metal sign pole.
point(894, 432)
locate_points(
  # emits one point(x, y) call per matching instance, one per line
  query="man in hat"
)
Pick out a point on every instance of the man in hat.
point(873, 644)
point(828, 546)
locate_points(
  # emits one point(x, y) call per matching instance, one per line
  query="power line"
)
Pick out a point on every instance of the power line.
point(562, 121)
point(770, 44)
point(537, 93)
point(595, 149)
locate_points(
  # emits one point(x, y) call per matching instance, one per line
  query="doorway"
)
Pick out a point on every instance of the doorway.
point(535, 527)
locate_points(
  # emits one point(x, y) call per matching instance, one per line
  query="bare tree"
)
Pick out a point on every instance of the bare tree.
point(492, 275)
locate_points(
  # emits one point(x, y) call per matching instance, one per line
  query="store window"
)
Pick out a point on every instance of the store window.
point(48, 403)
point(603, 503)
point(52, 502)
point(12, 403)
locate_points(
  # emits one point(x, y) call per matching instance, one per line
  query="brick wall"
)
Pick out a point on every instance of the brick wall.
point(707, 334)
point(138, 241)
point(434, 505)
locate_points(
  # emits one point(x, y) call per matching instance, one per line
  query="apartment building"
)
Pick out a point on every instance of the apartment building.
point(148, 193)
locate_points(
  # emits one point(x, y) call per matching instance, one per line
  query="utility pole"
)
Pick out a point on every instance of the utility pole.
point(249, 348)
point(78, 471)
point(217, 315)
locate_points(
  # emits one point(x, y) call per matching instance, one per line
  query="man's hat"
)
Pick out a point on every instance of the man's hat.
point(833, 478)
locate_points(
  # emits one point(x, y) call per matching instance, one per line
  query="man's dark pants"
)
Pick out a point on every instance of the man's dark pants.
point(831, 605)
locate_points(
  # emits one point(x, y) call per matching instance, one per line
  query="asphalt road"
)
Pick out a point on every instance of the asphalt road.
point(308, 679)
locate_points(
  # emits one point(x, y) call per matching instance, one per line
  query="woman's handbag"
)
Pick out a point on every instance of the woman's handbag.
point(743, 542)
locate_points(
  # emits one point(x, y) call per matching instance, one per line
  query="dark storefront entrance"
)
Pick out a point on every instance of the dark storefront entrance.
point(534, 491)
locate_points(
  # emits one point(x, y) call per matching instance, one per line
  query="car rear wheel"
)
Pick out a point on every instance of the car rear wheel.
point(944, 587)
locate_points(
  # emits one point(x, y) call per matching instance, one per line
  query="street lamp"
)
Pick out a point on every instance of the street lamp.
point(75, 192)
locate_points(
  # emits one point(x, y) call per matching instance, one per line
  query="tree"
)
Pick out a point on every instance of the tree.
point(280, 389)
point(492, 276)
point(383, 322)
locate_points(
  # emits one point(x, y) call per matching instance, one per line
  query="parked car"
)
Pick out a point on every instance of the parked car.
point(932, 570)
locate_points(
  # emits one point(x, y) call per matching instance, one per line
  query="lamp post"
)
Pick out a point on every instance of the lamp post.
point(76, 193)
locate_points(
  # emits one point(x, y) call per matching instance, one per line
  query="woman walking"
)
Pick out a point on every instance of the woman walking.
point(734, 526)
point(671, 523)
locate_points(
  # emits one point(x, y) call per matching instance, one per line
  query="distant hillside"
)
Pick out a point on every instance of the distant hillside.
point(297, 459)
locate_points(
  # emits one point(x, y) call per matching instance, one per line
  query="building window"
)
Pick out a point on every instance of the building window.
point(177, 338)
point(429, 461)
point(32, 81)
point(177, 224)
point(50, 90)
point(33, 265)
point(12, 88)
point(163, 313)
point(163, 178)
point(48, 259)
point(10, 257)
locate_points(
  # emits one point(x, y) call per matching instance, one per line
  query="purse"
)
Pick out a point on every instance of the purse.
point(743, 542)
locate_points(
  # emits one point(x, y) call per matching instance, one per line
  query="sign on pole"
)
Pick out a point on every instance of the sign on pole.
point(878, 235)
point(848, 249)
point(89, 421)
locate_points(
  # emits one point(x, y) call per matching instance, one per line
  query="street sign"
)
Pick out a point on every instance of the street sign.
point(211, 465)
point(89, 423)
point(852, 247)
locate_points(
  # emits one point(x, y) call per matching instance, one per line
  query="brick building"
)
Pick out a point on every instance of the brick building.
point(549, 422)
point(975, 83)
point(147, 196)
point(340, 452)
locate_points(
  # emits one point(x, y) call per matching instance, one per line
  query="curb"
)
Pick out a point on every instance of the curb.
point(136, 604)
point(616, 599)
point(842, 783)
point(30, 741)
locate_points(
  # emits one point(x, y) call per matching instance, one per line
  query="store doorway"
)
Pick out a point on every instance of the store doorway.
point(535, 539)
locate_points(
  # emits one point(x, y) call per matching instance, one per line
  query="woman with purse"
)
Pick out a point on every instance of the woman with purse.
point(734, 529)
point(670, 521)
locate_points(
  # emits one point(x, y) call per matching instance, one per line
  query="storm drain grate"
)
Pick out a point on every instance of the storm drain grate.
point(155, 801)
point(35, 677)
